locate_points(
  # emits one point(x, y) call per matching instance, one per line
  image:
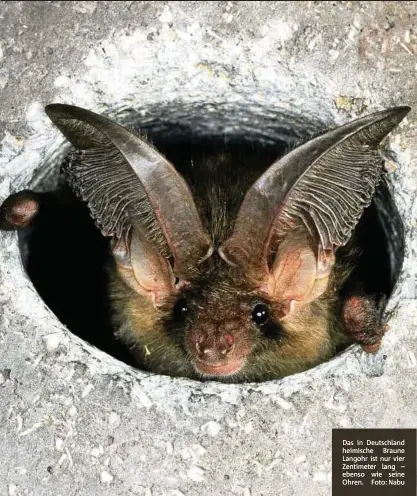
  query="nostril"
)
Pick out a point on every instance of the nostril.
point(226, 344)
point(203, 347)
point(214, 347)
point(206, 351)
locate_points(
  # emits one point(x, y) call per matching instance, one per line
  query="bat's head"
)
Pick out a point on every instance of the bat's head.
point(231, 328)
point(222, 325)
point(257, 305)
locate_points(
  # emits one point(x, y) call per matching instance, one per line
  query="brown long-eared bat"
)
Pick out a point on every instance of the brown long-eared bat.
point(228, 270)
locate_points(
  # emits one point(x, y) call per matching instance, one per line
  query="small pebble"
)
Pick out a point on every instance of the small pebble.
point(196, 474)
point(211, 428)
point(106, 476)
point(52, 342)
point(59, 444)
point(114, 419)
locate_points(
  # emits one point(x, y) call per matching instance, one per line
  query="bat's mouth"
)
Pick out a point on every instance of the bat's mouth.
point(221, 369)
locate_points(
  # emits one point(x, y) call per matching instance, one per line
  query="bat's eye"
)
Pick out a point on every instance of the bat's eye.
point(260, 314)
point(181, 308)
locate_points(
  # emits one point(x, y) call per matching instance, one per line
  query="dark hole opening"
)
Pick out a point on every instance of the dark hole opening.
point(65, 254)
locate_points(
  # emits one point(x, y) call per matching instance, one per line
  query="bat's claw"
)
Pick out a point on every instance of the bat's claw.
point(362, 319)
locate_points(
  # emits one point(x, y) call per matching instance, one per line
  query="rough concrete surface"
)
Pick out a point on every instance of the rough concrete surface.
point(74, 421)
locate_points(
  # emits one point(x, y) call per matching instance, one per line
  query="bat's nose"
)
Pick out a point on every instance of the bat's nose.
point(216, 354)
point(213, 349)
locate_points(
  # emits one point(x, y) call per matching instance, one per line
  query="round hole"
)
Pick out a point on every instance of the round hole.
point(65, 254)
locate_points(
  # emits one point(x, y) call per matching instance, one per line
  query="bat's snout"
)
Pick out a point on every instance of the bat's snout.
point(215, 354)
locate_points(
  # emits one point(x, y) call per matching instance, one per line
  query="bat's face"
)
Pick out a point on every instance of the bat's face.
point(224, 327)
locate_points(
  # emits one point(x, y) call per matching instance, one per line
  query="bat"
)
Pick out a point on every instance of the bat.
point(228, 269)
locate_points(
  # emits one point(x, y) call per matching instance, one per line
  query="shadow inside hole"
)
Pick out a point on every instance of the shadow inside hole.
point(65, 254)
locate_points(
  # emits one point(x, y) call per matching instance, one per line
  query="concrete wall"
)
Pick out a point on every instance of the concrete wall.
point(74, 421)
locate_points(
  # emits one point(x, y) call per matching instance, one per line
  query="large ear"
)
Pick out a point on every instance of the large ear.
point(306, 205)
point(136, 196)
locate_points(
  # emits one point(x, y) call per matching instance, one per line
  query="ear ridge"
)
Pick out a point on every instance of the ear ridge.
point(323, 185)
point(333, 192)
point(124, 180)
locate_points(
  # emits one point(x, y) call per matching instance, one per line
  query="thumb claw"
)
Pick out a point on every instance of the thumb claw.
point(19, 210)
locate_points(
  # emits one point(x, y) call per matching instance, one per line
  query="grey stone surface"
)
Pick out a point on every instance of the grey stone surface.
point(74, 421)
